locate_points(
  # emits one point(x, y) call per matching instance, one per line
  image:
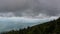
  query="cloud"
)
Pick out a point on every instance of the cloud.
point(15, 23)
point(15, 12)
point(30, 7)
point(8, 14)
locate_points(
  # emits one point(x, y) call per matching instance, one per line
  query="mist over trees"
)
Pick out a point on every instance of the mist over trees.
point(51, 27)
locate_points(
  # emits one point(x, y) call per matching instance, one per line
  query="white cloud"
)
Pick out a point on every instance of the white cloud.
point(8, 14)
point(41, 15)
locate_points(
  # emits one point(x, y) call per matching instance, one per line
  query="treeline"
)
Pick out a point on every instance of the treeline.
point(52, 27)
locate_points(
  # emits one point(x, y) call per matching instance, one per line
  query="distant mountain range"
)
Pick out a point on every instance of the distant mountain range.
point(51, 27)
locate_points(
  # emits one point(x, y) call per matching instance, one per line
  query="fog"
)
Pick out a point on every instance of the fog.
point(14, 13)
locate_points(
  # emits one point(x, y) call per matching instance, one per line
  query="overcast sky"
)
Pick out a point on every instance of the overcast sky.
point(29, 8)
point(17, 12)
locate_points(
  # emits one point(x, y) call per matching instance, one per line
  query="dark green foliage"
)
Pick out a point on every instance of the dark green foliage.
point(52, 27)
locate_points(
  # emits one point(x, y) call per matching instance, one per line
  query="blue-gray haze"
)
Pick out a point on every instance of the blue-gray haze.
point(15, 14)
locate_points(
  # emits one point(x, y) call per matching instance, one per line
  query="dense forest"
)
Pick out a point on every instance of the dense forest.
point(51, 27)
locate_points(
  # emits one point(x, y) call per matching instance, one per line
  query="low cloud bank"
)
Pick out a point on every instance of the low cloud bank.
point(9, 23)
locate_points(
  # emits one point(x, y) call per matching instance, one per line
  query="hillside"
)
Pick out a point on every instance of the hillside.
point(52, 27)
